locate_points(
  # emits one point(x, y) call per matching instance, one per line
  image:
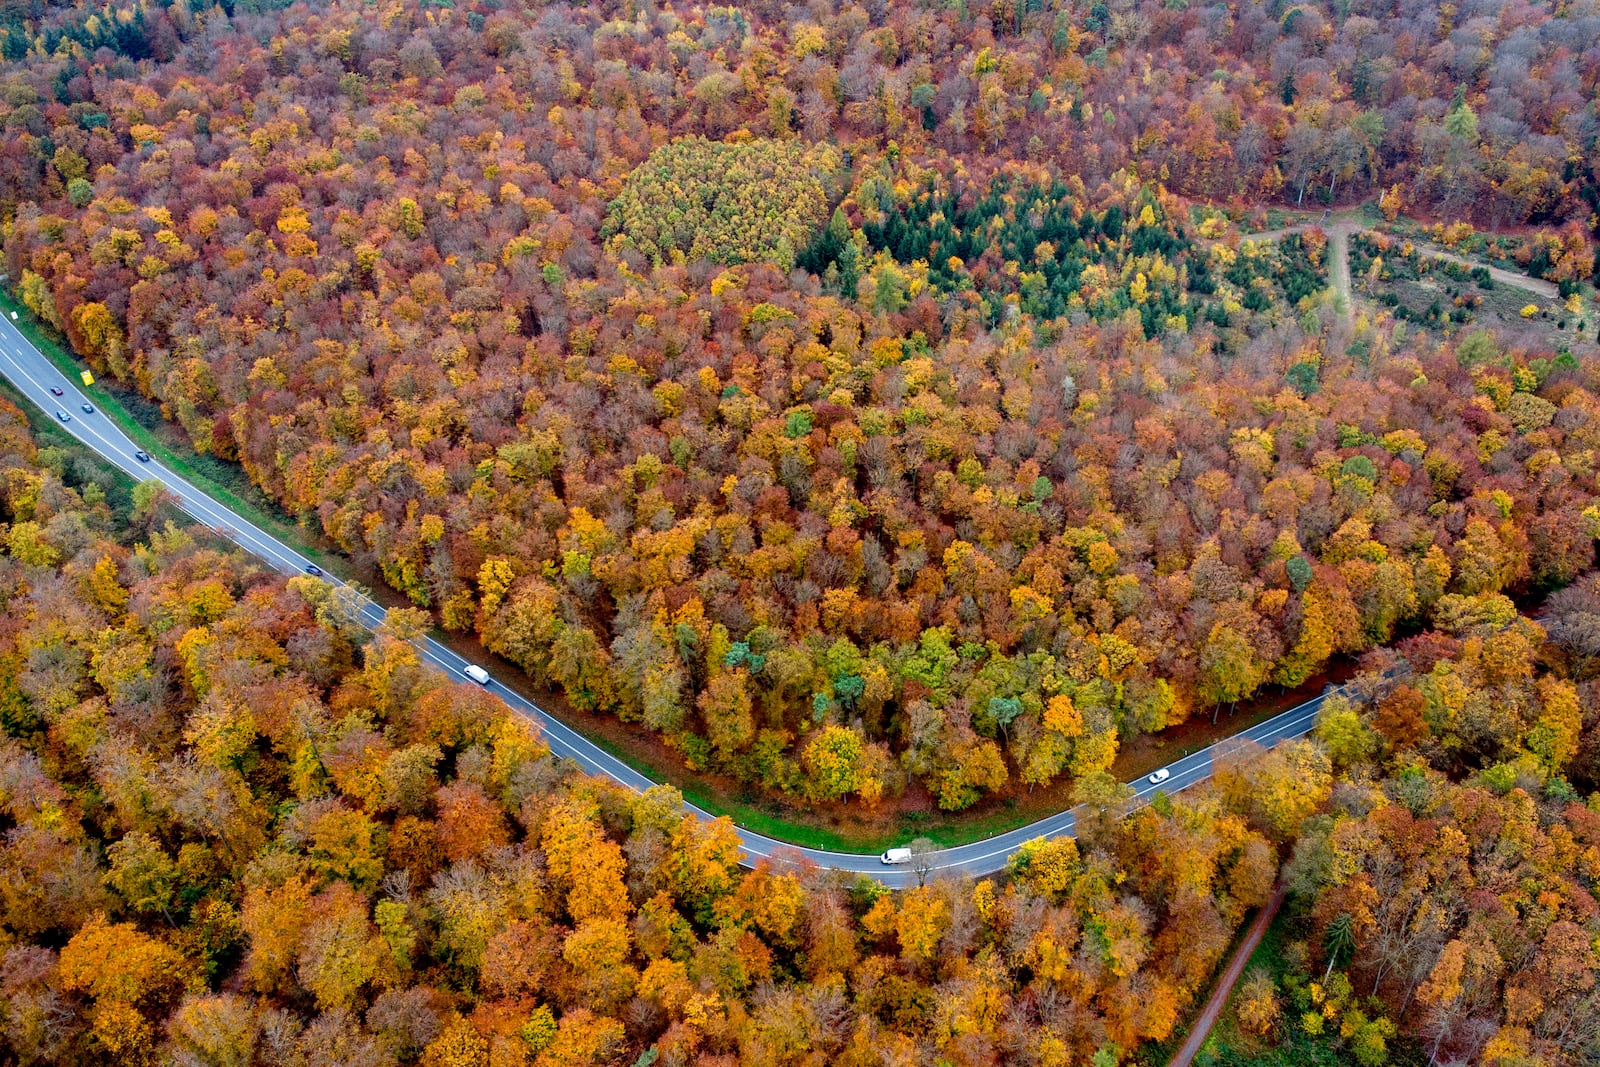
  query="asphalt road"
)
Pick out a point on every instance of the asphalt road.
point(33, 375)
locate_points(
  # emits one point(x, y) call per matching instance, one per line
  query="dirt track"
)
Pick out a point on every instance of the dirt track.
point(1341, 226)
point(1228, 979)
point(1338, 228)
point(1543, 288)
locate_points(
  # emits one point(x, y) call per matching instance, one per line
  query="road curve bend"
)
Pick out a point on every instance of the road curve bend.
point(34, 376)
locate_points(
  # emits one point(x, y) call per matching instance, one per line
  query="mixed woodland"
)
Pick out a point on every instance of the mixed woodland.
point(239, 829)
point(861, 398)
point(879, 403)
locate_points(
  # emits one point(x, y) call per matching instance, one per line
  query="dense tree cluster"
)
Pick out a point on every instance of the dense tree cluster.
point(236, 829)
point(1467, 910)
point(1127, 249)
point(1486, 108)
point(1030, 452)
point(745, 202)
point(1445, 892)
point(1031, 455)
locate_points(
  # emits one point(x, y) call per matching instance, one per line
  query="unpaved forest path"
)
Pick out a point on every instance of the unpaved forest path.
point(1543, 288)
point(1228, 979)
point(1339, 270)
point(1339, 228)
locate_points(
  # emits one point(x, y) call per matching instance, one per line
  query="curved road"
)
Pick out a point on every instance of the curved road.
point(34, 376)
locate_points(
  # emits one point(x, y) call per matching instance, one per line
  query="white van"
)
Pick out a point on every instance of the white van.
point(897, 855)
point(476, 673)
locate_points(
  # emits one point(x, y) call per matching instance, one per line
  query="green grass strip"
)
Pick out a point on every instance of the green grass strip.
point(946, 829)
point(205, 473)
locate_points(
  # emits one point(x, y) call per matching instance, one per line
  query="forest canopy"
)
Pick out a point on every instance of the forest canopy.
point(749, 201)
point(236, 828)
point(1032, 454)
point(887, 407)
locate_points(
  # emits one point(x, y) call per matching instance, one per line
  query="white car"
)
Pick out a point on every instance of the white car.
point(1160, 776)
point(476, 673)
point(897, 855)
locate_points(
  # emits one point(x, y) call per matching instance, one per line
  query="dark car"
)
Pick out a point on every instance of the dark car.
point(312, 568)
point(54, 391)
point(142, 456)
point(88, 409)
point(63, 416)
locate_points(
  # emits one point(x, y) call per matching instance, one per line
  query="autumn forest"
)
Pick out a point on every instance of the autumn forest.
point(881, 407)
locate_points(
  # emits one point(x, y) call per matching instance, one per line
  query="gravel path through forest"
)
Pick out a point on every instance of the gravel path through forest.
point(1228, 979)
point(1537, 286)
point(1339, 229)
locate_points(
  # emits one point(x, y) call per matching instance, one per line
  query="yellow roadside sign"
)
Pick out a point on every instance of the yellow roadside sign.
point(88, 379)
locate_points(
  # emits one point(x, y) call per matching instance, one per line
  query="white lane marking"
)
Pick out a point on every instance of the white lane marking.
point(1279, 731)
point(204, 508)
point(117, 450)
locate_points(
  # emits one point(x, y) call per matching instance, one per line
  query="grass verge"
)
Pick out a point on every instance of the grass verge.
point(1230, 1046)
point(85, 464)
point(225, 482)
point(140, 418)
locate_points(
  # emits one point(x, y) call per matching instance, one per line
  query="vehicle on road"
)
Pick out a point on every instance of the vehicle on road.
point(314, 570)
point(88, 409)
point(976, 858)
point(54, 391)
